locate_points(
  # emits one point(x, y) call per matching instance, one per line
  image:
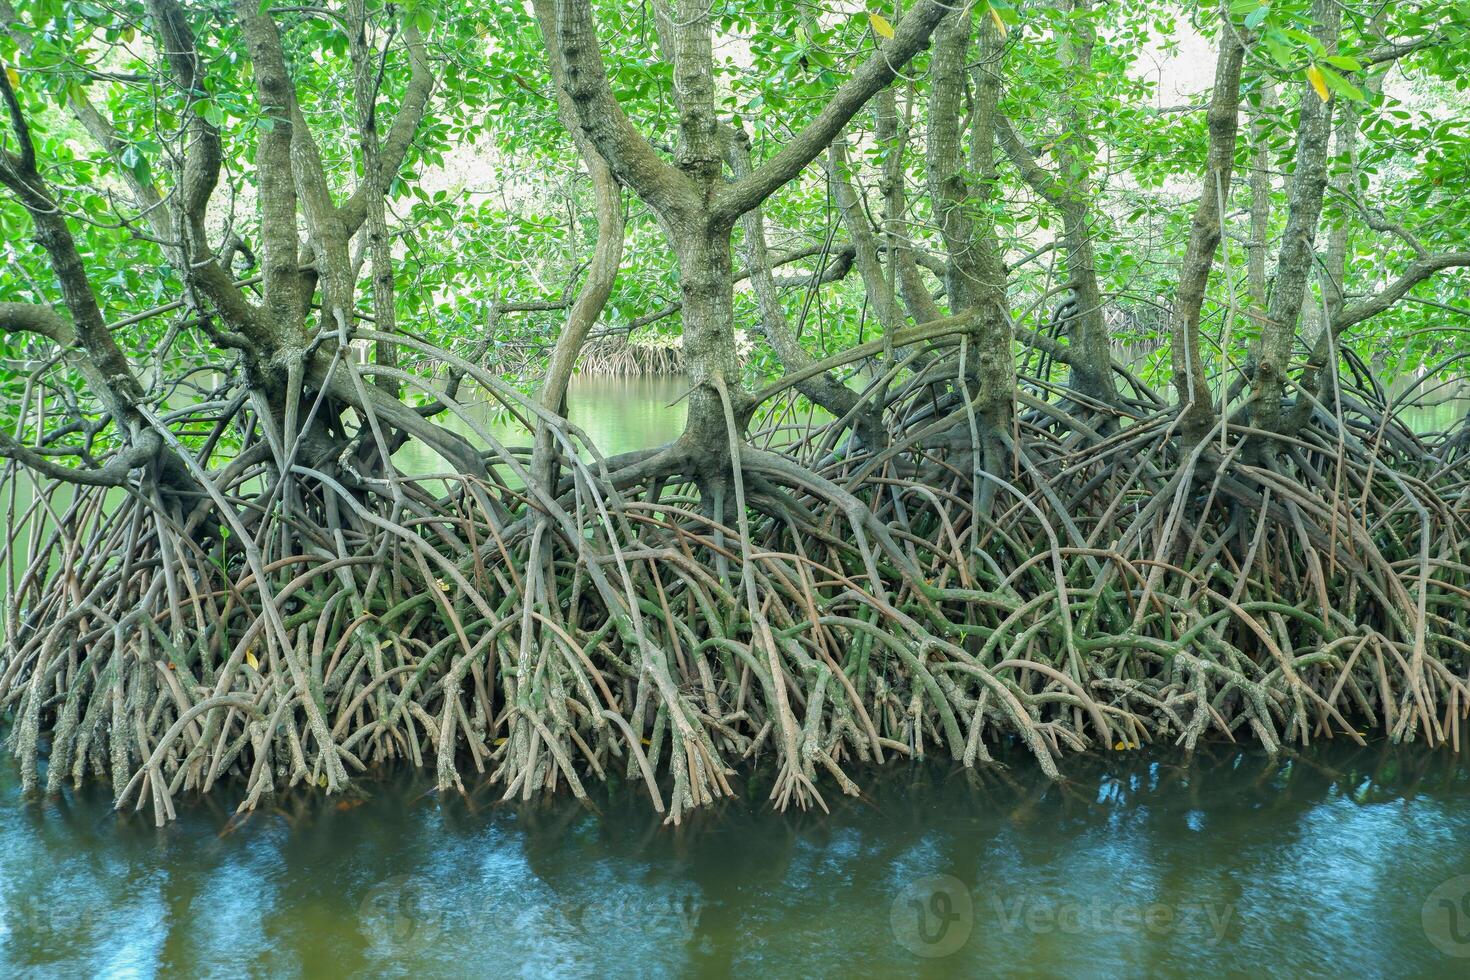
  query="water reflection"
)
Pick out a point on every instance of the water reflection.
point(1132, 865)
point(619, 414)
point(1430, 405)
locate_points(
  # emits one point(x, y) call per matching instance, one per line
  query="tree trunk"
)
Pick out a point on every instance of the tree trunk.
point(1294, 262)
point(1195, 399)
point(706, 285)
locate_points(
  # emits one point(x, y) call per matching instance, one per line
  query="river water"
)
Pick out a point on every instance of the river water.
point(621, 414)
point(1344, 861)
point(1340, 861)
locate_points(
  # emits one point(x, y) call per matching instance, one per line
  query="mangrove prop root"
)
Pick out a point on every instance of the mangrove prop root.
point(839, 605)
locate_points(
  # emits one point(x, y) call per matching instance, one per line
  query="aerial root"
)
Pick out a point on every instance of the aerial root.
point(842, 611)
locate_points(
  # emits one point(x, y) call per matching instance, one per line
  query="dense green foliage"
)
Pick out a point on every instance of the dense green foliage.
point(489, 207)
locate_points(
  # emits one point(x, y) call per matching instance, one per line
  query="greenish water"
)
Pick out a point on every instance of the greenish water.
point(1345, 861)
point(622, 414)
point(619, 414)
point(1432, 406)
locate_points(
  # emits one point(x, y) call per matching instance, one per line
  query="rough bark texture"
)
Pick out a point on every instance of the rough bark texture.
point(1198, 413)
point(695, 205)
point(1305, 191)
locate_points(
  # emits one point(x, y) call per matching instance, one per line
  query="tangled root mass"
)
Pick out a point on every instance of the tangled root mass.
point(829, 606)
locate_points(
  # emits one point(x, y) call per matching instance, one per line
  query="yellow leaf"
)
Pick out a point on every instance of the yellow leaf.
point(250, 659)
point(1000, 25)
point(14, 77)
point(322, 780)
point(1319, 82)
point(881, 27)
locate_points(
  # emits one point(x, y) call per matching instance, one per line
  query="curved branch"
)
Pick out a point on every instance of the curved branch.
point(114, 473)
point(1419, 270)
point(909, 38)
point(571, 37)
point(38, 319)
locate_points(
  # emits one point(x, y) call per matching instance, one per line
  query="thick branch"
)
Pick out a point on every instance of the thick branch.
point(909, 38)
point(1419, 270)
point(278, 259)
point(200, 171)
point(571, 36)
point(1294, 261)
point(1204, 238)
point(37, 319)
point(607, 255)
point(114, 473)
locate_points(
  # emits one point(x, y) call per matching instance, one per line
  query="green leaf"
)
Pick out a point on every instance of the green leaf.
point(1278, 51)
point(1341, 85)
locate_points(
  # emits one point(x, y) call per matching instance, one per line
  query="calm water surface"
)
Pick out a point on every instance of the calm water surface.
point(1321, 865)
point(628, 413)
point(618, 414)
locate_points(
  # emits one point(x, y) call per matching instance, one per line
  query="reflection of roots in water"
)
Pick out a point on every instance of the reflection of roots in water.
point(617, 355)
point(863, 604)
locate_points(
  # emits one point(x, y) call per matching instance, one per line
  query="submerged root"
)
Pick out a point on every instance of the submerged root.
point(1105, 591)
